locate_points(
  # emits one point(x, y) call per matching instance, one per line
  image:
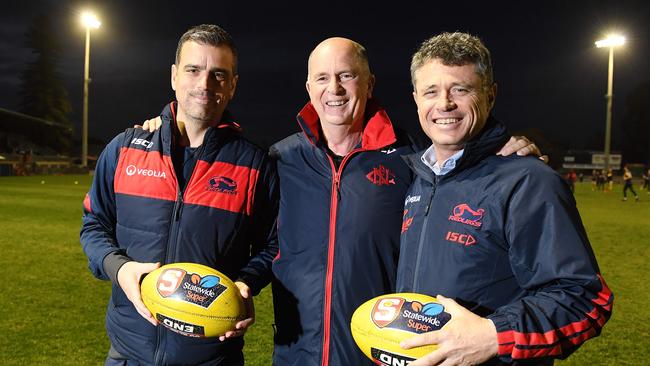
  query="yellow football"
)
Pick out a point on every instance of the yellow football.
point(380, 324)
point(192, 299)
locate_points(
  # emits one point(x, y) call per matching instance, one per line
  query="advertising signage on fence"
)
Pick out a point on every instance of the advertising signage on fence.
point(614, 160)
point(594, 160)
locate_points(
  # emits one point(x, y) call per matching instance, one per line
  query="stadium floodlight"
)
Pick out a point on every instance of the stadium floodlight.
point(89, 20)
point(610, 42)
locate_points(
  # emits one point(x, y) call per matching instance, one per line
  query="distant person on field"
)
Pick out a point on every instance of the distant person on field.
point(628, 184)
point(594, 180)
point(646, 181)
point(600, 180)
point(504, 248)
point(610, 180)
point(571, 178)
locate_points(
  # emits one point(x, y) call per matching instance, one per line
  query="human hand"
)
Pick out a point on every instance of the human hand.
point(243, 325)
point(128, 277)
point(523, 147)
point(467, 339)
point(150, 125)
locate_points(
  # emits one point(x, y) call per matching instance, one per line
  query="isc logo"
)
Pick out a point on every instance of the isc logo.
point(464, 239)
point(142, 142)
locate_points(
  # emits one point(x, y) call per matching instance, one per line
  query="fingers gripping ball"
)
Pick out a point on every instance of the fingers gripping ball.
point(380, 324)
point(192, 299)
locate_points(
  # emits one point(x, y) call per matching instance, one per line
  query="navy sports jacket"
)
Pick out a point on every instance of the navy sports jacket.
point(503, 237)
point(225, 217)
point(338, 234)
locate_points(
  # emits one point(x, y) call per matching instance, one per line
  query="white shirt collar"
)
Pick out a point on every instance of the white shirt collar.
point(429, 159)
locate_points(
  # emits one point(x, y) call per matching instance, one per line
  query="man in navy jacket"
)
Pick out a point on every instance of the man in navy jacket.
point(505, 240)
point(192, 191)
point(342, 186)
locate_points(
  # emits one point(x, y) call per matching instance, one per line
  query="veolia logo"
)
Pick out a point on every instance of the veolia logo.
point(132, 170)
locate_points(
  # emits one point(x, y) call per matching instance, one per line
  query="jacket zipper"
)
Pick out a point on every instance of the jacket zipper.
point(171, 243)
point(329, 276)
point(423, 234)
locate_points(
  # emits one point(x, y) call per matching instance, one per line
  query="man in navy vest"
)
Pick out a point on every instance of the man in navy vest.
point(192, 191)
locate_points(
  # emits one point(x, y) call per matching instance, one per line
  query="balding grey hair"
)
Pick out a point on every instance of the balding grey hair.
point(359, 51)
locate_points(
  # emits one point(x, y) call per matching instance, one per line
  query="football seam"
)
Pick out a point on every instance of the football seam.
point(153, 300)
point(378, 335)
point(390, 343)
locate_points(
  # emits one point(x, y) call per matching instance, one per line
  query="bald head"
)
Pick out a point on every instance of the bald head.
point(340, 46)
point(339, 82)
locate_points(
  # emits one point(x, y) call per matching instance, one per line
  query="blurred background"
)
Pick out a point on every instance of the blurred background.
point(552, 78)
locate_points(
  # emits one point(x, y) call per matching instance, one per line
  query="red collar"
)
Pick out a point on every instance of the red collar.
point(378, 131)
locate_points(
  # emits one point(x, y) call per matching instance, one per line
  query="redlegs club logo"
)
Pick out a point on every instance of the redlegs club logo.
point(222, 184)
point(464, 214)
point(381, 176)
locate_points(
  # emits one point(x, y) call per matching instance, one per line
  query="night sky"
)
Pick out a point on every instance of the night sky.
point(550, 75)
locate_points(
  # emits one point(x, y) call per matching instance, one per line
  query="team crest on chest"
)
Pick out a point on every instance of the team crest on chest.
point(465, 214)
point(222, 184)
point(381, 176)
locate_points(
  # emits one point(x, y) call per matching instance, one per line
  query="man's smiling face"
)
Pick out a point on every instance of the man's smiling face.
point(339, 82)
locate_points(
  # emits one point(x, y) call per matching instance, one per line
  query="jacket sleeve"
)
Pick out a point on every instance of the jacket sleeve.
point(257, 273)
point(99, 216)
point(567, 301)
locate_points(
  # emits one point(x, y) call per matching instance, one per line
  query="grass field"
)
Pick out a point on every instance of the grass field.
point(52, 309)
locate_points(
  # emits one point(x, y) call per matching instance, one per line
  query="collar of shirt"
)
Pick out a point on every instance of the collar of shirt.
point(429, 159)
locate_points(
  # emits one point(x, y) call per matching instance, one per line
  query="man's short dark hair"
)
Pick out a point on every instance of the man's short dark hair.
point(455, 49)
point(207, 34)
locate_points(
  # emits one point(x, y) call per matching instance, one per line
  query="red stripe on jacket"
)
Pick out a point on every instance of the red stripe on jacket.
point(548, 343)
point(145, 174)
point(222, 185)
point(519, 353)
point(87, 204)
